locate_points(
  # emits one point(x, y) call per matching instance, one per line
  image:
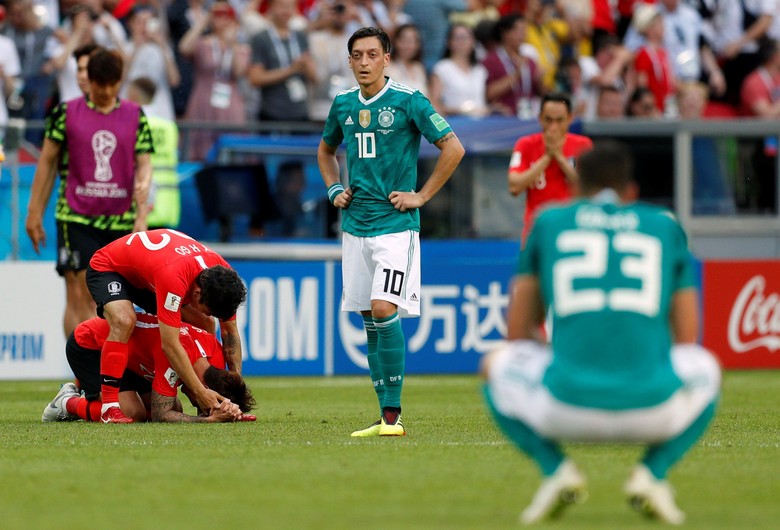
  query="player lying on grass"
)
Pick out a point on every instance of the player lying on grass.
point(149, 385)
point(624, 365)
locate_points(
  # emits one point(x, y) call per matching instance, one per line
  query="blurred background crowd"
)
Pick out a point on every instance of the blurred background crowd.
point(240, 61)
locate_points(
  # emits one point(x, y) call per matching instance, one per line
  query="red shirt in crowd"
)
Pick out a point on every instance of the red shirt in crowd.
point(654, 61)
point(552, 185)
point(146, 357)
point(163, 261)
point(759, 86)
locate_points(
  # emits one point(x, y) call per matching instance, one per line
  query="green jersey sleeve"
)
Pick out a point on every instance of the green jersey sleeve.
point(55, 124)
point(332, 134)
point(430, 123)
point(143, 136)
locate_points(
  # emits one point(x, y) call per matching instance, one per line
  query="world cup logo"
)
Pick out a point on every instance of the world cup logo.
point(103, 145)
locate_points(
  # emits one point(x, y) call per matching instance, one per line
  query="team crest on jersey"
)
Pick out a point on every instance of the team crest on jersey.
point(114, 288)
point(386, 117)
point(364, 118)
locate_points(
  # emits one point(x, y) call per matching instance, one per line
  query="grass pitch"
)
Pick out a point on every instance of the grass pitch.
point(298, 468)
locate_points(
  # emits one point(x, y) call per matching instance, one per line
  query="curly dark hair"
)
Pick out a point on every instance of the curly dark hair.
point(231, 385)
point(222, 291)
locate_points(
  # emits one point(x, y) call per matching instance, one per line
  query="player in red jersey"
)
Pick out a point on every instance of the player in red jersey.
point(543, 163)
point(149, 383)
point(168, 274)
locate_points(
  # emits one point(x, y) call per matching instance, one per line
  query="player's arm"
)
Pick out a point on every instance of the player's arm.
point(451, 154)
point(143, 183)
point(177, 357)
point(40, 192)
point(684, 316)
point(331, 175)
point(231, 344)
point(520, 180)
point(526, 309)
point(164, 410)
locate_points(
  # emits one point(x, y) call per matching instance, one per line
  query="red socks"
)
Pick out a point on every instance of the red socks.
point(83, 408)
point(113, 360)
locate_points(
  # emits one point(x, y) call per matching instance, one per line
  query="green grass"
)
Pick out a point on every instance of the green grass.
point(298, 468)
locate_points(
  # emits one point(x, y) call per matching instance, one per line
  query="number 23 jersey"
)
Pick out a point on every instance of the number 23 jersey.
point(382, 140)
point(608, 273)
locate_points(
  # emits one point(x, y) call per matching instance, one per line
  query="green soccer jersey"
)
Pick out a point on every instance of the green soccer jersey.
point(607, 272)
point(382, 137)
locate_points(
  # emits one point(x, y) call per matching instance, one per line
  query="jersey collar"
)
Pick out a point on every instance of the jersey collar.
point(378, 95)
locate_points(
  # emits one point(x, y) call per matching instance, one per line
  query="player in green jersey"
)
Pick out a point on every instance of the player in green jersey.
point(380, 122)
point(617, 278)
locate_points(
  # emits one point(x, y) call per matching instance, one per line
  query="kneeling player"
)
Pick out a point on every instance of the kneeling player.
point(149, 385)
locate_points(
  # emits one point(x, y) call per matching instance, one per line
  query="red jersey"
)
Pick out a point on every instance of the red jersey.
point(552, 185)
point(759, 85)
point(145, 355)
point(654, 61)
point(163, 261)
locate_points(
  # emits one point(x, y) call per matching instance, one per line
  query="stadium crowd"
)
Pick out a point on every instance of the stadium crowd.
point(237, 61)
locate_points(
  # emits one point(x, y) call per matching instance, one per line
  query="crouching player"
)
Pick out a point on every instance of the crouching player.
point(149, 385)
point(624, 365)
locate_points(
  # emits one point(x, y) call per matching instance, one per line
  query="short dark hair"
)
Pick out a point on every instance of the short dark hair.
point(557, 97)
point(221, 290)
point(146, 87)
point(105, 67)
point(609, 164)
point(364, 33)
point(231, 385)
point(86, 49)
point(504, 24)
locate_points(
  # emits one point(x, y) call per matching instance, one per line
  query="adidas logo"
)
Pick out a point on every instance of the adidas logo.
point(349, 121)
point(413, 298)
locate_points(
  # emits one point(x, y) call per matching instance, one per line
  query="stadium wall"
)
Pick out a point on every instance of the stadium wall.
point(291, 323)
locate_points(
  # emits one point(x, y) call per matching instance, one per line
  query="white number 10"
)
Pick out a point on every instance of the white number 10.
point(366, 143)
point(642, 263)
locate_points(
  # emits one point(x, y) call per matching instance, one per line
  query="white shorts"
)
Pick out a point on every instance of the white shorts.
point(522, 396)
point(385, 267)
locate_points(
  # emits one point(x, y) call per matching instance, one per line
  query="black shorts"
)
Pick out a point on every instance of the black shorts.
point(85, 364)
point(77, 243)
point(106, 287)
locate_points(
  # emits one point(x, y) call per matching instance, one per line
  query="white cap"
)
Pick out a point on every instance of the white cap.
point(644, 14)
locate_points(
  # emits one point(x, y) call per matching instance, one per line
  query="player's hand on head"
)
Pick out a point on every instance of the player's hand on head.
point(209, 400)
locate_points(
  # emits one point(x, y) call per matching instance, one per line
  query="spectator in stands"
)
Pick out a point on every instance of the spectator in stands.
point(432, 19)
point(568, 80)
point(605, 69)
point(458, 80)
point(107, 31)
point(642, 104)
point(327, 51)
point(64, 60)
point(760, 94)
point(548, 33)
point(513, 80)
point(180, 14)
point(737, 28)
point(406, 65)
point(164, 197)
point(149, 54)
point(610, 104)
point(281, 66)
point(712, 194)
point(220, 61)
point(653, 68)
point(34, 45)
point(478, 11)
point(9, 77)
point(689, 52)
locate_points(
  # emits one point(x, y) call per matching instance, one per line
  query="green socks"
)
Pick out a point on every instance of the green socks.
point(373, 359)
point(391, 354)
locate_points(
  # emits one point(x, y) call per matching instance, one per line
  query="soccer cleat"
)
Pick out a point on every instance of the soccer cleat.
point(652, 497)
point(55, 410)
point(371, 430)
point(564, 487)
point(114, 415)
point(391, 429)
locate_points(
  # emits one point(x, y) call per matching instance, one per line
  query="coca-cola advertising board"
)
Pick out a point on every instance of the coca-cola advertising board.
point(741, 317)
